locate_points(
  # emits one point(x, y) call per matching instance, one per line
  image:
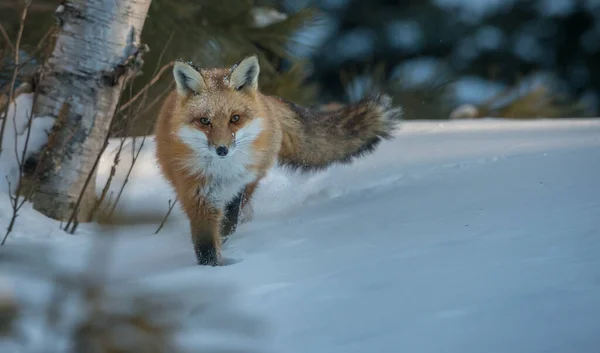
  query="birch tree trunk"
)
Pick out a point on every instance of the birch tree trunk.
point(96, 48)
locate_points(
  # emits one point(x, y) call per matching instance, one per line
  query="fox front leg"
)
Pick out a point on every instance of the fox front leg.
point(206, 240)
point(205, 223)
point(234, 209)
point(231, 216)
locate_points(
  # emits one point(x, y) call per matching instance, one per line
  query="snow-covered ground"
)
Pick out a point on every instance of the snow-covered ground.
point(458, 236)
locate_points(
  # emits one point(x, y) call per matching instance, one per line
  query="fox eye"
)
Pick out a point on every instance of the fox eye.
point(235, 118)
point(203, 121)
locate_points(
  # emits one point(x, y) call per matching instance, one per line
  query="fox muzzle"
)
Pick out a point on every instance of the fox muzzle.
point(222, 150)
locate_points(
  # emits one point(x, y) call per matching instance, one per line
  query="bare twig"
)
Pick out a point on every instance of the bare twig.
point(131, 117)
point(162, 53)
point(16, 71)
point(157, 73)
point(106, 188)
point(133, 160)
point(72, 219)
point(113, 171)
point(155, 77)
point(158, 98)
point(162, 224)
point(41, 43)
point(6, 38)
point(11, 224)
point(15, 203)
point(146, 87)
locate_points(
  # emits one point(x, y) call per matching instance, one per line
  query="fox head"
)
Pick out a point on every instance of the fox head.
point(218, 114)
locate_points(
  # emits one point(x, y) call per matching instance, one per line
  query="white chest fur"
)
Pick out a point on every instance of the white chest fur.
point(225, 181)
point(226, 176)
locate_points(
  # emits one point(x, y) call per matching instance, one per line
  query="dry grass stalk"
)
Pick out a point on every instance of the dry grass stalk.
point(131, 165)
point(162, 223)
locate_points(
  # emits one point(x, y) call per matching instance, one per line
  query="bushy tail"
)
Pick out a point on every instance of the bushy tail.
point(314, 140)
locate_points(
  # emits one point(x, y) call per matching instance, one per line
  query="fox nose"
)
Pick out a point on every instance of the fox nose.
point(222, 151)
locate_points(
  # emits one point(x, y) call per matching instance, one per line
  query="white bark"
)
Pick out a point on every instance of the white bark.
point(96, 47)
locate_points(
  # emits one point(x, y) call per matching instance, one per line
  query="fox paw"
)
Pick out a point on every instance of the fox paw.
point(207, 255)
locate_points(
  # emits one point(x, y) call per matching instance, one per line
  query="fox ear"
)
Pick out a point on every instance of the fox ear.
point(245, 74)
point(187, 79)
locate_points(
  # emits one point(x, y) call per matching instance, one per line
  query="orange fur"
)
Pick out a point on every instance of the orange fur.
point(269, 131)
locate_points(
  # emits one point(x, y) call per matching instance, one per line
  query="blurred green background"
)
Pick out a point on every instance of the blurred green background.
point(519, 59)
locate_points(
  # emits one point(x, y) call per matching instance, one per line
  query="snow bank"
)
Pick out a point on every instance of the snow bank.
point(479, 233)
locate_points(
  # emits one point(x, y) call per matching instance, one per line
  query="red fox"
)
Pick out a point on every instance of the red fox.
point(217, 136)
